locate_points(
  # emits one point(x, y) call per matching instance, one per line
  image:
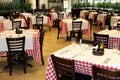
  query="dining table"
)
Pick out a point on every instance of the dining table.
point(25, 14)
point(84, 59)
point(6, 24)
point(114, 37)
point(32, 45)
point(53, 16)
point(114, 20)
point(46, 20)
point(66, 26)
point(93, 15)
point(84, 13)
point(101, 19)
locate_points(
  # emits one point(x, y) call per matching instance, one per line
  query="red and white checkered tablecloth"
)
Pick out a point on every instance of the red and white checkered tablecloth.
point(101, 19)
point(113, 40)
point(113, 37)
point(66, 26)
point(83, 67)
point(35, 52)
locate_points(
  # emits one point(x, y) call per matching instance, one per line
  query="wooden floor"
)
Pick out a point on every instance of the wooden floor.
point(50, 45)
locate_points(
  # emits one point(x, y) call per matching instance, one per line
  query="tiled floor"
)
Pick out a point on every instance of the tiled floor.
point(50, 45)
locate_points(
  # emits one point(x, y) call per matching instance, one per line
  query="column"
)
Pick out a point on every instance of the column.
point(33, 2)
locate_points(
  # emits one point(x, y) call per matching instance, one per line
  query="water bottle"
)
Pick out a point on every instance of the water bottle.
point(80, 41)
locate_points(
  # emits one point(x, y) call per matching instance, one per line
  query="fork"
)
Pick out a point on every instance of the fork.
point(107, 60)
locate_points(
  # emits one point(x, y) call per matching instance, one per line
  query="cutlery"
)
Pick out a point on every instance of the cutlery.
point(107, 60)
point(75, 55)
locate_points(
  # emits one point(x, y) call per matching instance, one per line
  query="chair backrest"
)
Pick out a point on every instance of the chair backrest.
point(42, 33)
point(101, 38)
point(41, 38)
point(39, 20)
point(15, 44)
point(105, 74)
point(16, 24)
point(76, 25)
point(118, 25)
point(63, 67)
point(60, 16)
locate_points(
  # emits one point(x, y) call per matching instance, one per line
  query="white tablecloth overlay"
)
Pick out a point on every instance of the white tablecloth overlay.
point(91, 15)
point(111, 33)
point(8, 24)
point(54, 15)
point(114, 19)
point(83, 12)
point(101, 17)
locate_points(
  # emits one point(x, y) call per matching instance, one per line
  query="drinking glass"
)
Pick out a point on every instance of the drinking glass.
point(73, 41)
point(115, 48)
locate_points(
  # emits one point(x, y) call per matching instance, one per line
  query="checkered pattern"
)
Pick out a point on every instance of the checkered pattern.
point(113, 40)
point(35, 52)
point(84, 67)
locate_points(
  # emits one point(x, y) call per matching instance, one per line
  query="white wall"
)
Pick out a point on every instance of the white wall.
point(69, 9)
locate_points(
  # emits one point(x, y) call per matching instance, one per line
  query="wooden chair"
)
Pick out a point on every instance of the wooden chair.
point(16, 24)
point(118, 25)
point(16, 48)
point(65, 69)
point(39, 23)
point(60, 16)
point(42, 33)
point(101, 38)
point(105, 74)
point(76, 29)
point(107, 21)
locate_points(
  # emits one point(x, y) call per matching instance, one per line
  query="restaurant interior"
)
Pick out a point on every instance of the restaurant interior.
point(59, 39)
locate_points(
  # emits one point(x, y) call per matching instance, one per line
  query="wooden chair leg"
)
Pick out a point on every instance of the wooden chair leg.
point(10, 65)
point(24, 64)
point(49, 28)
point(58, 35)
point(42, 58)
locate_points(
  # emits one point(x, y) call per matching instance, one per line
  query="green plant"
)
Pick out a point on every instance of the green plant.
point(99, 5)
point(25, 6)
point(116, 6)
point(14, 6)
point(43, 6)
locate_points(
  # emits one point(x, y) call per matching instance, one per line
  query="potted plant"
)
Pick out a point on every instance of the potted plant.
point(43, 6)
